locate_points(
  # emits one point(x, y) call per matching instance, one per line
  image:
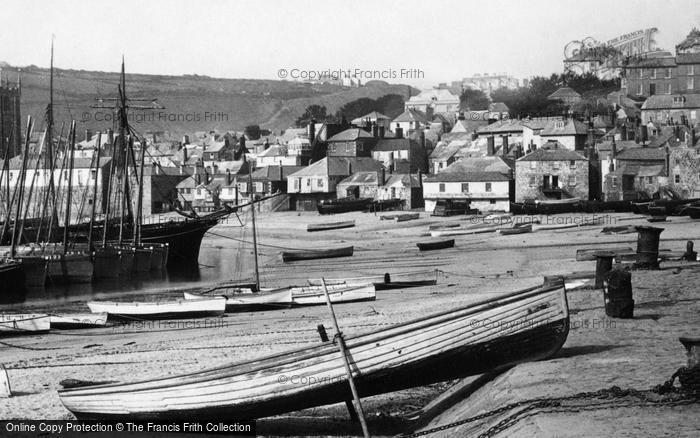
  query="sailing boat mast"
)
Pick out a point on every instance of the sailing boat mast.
point(255, 238)
point(51, 193)
point(122, 151)
point(139, 207)
point(94, 189)
point(66, 222)
point(20, 185)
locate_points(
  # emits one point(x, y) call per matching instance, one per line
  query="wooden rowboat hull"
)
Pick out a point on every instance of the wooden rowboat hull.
point(441, 244)
point(523, 326)
point(385, 281)
point(330, 226)
point(289, 256)
point(516, 230)
point(214, 306)
point(23, 324)
point(294, 297)
point(77, 321)
point(12, 279)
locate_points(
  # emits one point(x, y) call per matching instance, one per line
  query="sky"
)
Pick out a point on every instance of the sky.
point(433, 42)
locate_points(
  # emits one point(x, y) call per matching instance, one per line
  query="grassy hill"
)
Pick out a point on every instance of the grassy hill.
point(192, 102)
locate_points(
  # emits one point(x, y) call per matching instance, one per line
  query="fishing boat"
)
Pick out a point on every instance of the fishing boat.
point(294, 296)
point(527, 325)
point(23, 323)
point(386, 281)
point(516, 229)
point(436, 244)
point(693, 211)
point(12, 281)
point(343, 205)
point(213, 306)
point(407, 217)
point(330, 226)
point(311, 254)
point(78, 320)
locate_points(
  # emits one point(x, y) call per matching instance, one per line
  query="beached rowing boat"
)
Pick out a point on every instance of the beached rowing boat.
point(531, 324)
point(385, 281)
point(407, 217)
point(294, 296)
point(78, 320)
point(330, 226)
point(311, 254)
point(209, 306)
point(23, 323)
point(517, 229)
point(436, 244)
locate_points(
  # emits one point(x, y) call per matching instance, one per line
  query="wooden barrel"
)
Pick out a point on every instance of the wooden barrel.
point(618, 294)
point(648, 246)
point(604, 262)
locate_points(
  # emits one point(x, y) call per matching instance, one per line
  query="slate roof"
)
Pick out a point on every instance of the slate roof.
point(562, 93)
point(568, 127)
point(373, 116)
point(445, 150)
point(666, 101)
point(469, 177)
point(498, 107)
point(272, 173)
point(395, 144)
point(351, 134)
point(411, 115)
point(338, 166)
point(549, 152)
point(502, 126)
point(642, 154)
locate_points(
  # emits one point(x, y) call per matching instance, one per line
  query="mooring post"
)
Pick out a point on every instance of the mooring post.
point(5, 390)
point(617, 293)
point(690, 255)
point(604, 262)
point(358, 412)
point(648, 247)
point(690, 377)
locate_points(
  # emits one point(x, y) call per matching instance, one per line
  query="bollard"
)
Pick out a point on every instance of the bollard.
point(648, 247)
point(603, 265)
point(690, 255)
point(617, 293)
point(689, 377)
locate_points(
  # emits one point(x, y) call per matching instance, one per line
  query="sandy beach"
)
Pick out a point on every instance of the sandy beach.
point(600, 351)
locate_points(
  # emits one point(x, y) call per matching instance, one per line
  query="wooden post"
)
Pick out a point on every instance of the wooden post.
point(346, 362)
point(5, 390)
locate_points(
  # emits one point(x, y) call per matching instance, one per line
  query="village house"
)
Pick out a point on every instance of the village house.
point(445, 154)
point(683, 108)
point(279, 154)
point(381, 185)
point(401, 155)
point(635, 172)
point(374, 118)
point(433, 101)
point(486, 182)
point(319, 180)
point(553, 172)
point(565, 95)
point(353, 142)
point(570, 133)
point(410, 120)
point(503, 133)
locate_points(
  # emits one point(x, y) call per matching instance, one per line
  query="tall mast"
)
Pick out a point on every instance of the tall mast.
point(123, 149)
point(255, 238)
point(66, 222)
point(94, 188)
point(20, 184)
point(51, 193)
point(139, 207)
point(112, 170)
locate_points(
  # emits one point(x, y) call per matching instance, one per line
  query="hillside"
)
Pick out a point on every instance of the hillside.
point(192, 103)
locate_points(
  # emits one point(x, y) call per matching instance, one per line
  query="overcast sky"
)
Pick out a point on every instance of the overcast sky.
point(447, 40)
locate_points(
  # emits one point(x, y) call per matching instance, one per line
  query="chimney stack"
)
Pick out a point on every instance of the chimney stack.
point(375, 130)
point(382, 181)
point(185, 139)
point(505, 145)
point(398, 131)
point(184, 154)
point(311, 131)
point(88, 135)
point(382, 131)
point(422, 139)
point(490, 146)
point(228, 176)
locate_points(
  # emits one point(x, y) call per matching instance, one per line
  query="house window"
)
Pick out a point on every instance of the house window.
point(677, 179)
point(488, 187)
point(691, 69)
point(441, 188)
point(465, 187)
point(668, 88)
point(555, 165)
point(572, 164)
point(393, 192)
point(572, 180)
point(650, 180)
point(93, 175)
point(297, 184)
point(640, 90)
point(667, 73)
point(308, 182)
point(533, 181)
point(613, 182)
point(320, 182)
point(199, 191)
point(691, 83)
point(653, 73)
point(492, 201)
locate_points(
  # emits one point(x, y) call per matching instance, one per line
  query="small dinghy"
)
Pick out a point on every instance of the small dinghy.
point(206, 306)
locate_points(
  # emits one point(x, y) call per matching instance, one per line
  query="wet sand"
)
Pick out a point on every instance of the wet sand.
point(599, 352)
